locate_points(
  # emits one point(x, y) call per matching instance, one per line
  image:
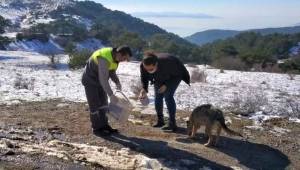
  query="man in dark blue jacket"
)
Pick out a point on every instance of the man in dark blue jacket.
point(165, 71)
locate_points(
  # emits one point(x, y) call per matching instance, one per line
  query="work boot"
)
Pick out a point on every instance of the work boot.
point(110, 129)
point(101, 132)
point(170, 127)
point(160, 123)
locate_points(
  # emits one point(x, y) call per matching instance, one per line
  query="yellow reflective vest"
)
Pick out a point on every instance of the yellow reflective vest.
point(105, 53)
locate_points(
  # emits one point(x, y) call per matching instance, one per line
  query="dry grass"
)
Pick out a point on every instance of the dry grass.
point(198, 75)
point(23, 83)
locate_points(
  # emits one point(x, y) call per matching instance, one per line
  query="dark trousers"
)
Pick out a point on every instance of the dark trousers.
point(169, 99)
point(97, 98)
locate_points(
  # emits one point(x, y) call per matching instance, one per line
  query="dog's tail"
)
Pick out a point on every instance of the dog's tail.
point(226, 129)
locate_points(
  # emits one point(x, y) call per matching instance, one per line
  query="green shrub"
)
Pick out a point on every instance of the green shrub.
point(291, 65)
point(32, 36)
point(78, 59)
point(3, 42)
point(19, 36)
point(230, 63)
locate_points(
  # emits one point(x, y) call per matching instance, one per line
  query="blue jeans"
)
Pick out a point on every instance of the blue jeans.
point(169, 99)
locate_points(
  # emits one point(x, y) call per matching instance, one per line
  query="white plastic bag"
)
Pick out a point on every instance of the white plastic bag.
point(145, 101)
point(120, 111)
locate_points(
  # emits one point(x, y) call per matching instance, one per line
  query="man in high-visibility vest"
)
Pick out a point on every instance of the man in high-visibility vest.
point(101, 66)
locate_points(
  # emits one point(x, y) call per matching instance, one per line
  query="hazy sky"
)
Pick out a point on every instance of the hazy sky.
point(185, 17)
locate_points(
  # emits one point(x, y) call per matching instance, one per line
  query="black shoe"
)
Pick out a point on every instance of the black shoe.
point(101, 132)
point(110, 129)
point(159, 124)
point(172, 128)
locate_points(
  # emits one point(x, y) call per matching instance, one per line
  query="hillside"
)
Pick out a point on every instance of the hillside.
point(30, 12)
point(209, 36)
point(77, 21)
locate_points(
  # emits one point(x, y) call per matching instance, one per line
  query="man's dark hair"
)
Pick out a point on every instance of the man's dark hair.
point(124, 49)
point(150, 58)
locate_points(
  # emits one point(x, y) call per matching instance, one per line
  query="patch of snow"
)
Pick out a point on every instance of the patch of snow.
point(278, 131)
point(84, 153)
point(44, 20)
point(255, 127)
point(14, 102)
point(62, 105)
point(49, 47)
point(12, 14)
point(236, 168)
point(87, 22)
point(91, 44)
point(260, 117)
point(29, 12)
point(219, 89)
point(296, 120)
point(146, 163)
point(10, 34)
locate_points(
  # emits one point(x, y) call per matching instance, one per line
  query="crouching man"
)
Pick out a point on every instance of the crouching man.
point(165, 71)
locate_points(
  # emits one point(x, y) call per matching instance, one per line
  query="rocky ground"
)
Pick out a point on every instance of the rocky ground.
point(57, 135)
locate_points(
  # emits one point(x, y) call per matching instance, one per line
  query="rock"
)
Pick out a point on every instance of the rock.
point(10, 152)
point(62, 105)
point(236, 168)
point(148, 163)
point(259, 128)
point(8, 144)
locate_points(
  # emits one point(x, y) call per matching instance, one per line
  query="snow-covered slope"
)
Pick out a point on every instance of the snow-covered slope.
point(26, 76)
point(49, 47)
point(29, 12)
point(91, 44)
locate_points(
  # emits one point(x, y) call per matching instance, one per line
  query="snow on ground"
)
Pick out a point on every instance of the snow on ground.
point(36, 46)
point(26, 76)
point(32, 68)
point(91, 44)
point(11, 35)
point(271, 91)
point(35, 142)
point(14, 15)
point(50, 47)
point(84, 21)
point(276, 94)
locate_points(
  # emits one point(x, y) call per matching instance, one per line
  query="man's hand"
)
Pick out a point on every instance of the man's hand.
point(162, 89)
point(113, 99)
point(143, 94)
point(119, 87)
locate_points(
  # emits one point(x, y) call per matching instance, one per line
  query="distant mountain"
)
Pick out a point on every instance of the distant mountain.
point(298, 24)
point(208, 36)
point(204, 37)
point(171, 15)
point(281, 30)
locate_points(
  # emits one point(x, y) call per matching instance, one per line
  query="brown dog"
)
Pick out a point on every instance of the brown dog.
point(210, 118)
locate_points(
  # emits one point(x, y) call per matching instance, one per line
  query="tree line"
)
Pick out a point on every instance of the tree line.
point(3, 24)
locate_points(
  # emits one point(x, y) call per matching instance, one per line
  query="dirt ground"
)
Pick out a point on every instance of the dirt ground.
point(267, 148)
